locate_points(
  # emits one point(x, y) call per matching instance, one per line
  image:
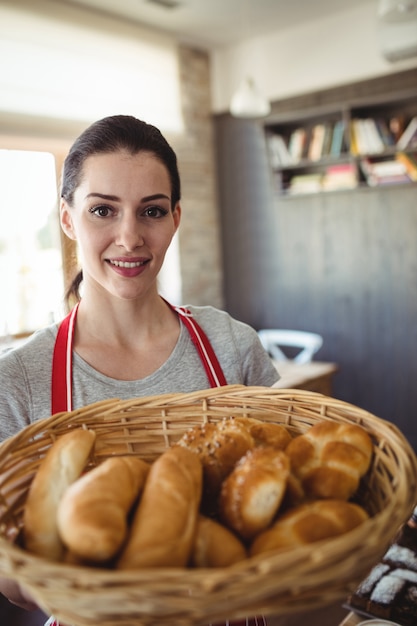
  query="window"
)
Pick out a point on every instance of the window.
point(31, 276)
point(68, 70)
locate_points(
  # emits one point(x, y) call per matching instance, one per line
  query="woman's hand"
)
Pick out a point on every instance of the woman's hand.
point(16, 594)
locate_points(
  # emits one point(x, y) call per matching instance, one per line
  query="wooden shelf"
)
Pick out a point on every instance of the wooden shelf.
point(351, 145)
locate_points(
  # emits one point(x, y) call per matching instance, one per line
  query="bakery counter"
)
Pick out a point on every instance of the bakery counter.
point(352, 620)
point(389, 591)
point(314, 376)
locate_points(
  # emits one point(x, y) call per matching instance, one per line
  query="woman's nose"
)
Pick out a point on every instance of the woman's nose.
point(129, 233)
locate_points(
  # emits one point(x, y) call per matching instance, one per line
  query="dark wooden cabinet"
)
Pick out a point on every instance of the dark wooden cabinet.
point(343, 264)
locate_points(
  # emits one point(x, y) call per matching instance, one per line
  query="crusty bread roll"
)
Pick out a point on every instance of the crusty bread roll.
point(330, 458)
point(215, 545)
point(251, 495)
point(266, 433)
point(164, 523)
point(92, 514)
point(219, 445)
point(308, 523)
point(62, 465)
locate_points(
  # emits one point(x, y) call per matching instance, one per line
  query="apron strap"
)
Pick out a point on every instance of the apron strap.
point(61, 396)
point(61, 392)
point(201, 341)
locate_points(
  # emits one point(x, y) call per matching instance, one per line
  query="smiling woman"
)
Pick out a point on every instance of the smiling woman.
point(31, 279)
point(121, 202)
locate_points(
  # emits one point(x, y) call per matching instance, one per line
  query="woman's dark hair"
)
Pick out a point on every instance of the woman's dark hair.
point(110, 134)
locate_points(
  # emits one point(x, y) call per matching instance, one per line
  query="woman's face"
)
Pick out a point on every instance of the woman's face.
point(122, 221)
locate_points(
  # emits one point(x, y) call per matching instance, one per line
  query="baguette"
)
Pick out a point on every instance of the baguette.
point(164, 522)
point(92, 515)
point(62, 465)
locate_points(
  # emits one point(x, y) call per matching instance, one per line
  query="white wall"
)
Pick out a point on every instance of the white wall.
point(340, 49)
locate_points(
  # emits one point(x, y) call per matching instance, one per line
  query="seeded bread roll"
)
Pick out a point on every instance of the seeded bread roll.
point(164, 524)
point(92, 515)
point(219, 445)
point(330, 458)
point(62, 465)
point(308, 523)
point(252, 494)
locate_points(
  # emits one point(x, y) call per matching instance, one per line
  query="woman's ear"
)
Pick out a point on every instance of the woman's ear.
point(177, 215)
point(66, 220)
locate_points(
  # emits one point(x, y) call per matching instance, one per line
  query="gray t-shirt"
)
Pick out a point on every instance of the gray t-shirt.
point(25, 372)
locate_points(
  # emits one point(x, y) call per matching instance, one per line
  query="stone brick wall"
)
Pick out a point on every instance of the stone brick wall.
point(199, 234)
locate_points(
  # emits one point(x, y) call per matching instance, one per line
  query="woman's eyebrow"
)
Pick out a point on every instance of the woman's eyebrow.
point(103, 196)
point(156, 196)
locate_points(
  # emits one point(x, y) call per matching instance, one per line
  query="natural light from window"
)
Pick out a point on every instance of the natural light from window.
point(31, 276)
point(62, 70)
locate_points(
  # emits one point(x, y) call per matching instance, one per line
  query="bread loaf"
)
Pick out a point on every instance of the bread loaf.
point(62, 465)
point(92, 515)
point(330, 458)
point(266, 433)
point(164, 523)
point(252, 494)
point(308, 523)
point(219, 445)
point(215, 545)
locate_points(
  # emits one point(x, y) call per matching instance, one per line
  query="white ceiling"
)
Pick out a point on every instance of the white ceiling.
point(213, 23)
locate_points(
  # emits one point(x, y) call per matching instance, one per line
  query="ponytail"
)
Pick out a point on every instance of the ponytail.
point(72, 295)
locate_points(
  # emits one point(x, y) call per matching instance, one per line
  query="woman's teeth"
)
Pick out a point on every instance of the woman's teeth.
point(127, 263)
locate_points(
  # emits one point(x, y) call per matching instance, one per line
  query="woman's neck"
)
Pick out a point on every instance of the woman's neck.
point(114, 318)
point(127, 340)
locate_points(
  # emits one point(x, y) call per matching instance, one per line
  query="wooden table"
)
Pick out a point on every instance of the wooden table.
point(313, 376)
point(353, 620)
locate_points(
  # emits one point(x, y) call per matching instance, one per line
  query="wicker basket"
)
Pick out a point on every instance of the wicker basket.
point(281, 583)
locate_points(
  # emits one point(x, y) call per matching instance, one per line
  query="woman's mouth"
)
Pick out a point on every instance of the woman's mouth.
point(127, 264)
point(128, 269)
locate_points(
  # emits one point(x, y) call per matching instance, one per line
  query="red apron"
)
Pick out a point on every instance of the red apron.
point(61, 392)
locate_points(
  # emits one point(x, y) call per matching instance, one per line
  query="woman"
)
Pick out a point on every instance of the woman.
point(120, 201)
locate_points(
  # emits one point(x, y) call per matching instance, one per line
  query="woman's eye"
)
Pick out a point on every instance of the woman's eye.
point(155, 211)
point(101, 211)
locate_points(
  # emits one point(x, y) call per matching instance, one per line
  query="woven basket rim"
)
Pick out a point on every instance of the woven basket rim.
point(310, 574)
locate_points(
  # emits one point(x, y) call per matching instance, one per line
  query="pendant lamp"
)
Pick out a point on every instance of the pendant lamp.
point(248, 102)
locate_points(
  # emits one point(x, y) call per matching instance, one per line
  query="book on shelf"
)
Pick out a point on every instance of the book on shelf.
point(305, 183)
point(338, 135)
point(278, 151)
point(410, 163)
point(327, 139)
point(397, 124)
point(376, 143)
point(386, 133)
point(340, 176)
point(297, 144)
point(408, 138)
point(315, 148)
point(365, 137)
point(387, 172)
point(337, 176)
